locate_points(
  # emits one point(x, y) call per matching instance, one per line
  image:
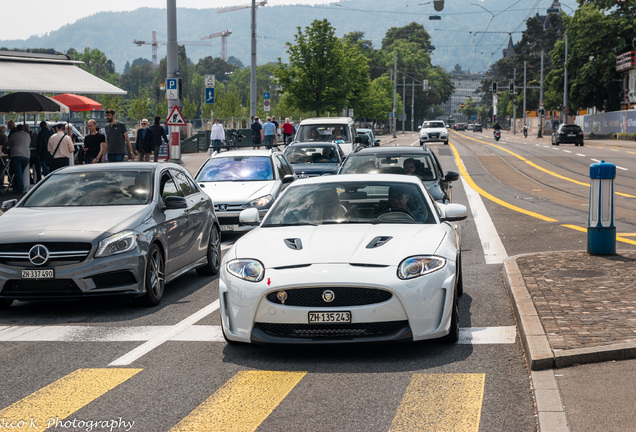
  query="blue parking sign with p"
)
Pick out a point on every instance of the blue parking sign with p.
point(171, 83)
point(209, 95)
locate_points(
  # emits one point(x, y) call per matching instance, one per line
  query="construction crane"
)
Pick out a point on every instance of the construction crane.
point(223, 34)
point(155, 43)
point(233, 8)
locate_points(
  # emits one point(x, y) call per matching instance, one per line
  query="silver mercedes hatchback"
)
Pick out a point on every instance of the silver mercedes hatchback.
point(104, 230)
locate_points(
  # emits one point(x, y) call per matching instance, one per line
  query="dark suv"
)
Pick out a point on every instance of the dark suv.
point(419, 161)
point(568, 133)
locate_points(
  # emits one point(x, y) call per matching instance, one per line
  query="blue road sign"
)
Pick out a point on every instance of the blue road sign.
point(209, 95)
point(171, 83)
point(266, 95)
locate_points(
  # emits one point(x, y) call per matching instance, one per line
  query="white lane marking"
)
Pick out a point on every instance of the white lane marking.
point(197, 333)
point(487, 335)
point(153, 343)
point(567, 151)
point(621, 168)
point(494, 250)
point(581, 154)
point(595, 160)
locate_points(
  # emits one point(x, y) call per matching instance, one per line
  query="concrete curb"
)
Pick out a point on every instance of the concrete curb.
point(539, 354)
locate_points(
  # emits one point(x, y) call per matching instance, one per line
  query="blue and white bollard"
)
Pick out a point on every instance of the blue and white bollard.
point(601, 232)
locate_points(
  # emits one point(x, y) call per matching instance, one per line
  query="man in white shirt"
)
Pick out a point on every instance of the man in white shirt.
point(61, 147)
point(217, 135)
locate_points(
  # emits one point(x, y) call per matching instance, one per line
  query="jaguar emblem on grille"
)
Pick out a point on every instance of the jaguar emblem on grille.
point(38, 254)
point(328, 296)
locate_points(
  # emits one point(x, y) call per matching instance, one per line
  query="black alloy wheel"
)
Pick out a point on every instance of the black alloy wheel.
point(155, 277)
point(213, 265)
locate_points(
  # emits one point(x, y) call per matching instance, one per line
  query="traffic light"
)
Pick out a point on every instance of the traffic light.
point(494, 87)
point(462, 105)
point(468, 106)
point(511, 88)
point(495, 118)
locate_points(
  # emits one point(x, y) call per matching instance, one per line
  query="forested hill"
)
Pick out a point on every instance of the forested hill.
point(463, 35)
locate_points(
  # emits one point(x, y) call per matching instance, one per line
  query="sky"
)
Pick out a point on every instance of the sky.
point(40, 17)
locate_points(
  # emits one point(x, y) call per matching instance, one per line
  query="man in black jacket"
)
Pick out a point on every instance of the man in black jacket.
point(158, 133)
point(42, 147)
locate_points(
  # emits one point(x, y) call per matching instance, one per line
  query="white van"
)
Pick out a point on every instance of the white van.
point(341, 130)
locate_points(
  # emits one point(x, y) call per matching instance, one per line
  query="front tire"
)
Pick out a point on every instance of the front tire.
point(155, 278)
point(453, 334)
point(214, 255)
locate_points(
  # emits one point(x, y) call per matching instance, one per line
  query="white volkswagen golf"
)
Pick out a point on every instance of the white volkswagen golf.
point(341, 259)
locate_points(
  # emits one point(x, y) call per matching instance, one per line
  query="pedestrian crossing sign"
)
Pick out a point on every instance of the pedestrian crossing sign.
point(175, 118)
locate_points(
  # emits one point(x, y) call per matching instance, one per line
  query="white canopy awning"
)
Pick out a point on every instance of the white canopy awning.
point(49, 74)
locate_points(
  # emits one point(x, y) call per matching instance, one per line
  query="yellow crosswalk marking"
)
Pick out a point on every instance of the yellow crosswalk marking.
point(441, 402)
point(242, 403)
point(62, 398)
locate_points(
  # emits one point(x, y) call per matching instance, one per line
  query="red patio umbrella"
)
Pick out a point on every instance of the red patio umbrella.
point(77, 103)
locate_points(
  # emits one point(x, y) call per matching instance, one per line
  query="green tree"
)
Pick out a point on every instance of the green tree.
point(95, 62)
point(595, 38)
point(469, 108)
point(139, 106)
point(318, 70)
point(191, 107)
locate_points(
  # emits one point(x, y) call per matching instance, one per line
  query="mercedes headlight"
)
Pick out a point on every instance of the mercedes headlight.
point(419, 265)
point(262, 202)
point(247, 269)
point(119, 243)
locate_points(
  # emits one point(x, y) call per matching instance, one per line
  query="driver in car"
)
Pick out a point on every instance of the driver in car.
point(399, 202)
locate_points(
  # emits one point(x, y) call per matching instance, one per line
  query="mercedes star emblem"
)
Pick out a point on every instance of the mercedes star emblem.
point(38, 255)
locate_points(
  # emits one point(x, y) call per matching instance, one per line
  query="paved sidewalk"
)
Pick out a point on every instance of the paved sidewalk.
point(577, 309)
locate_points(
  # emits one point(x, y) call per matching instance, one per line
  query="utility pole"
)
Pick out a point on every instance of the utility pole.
point(413, 106)
point(253, 67)
point(403, 101)
point(524, 94)
point(174, 151)
point(565, 81)
point(514, 104)
point(394, 122)
point(540, 135)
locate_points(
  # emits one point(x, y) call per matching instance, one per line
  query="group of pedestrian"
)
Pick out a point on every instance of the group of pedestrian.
point(54, 149)
point(270, 132)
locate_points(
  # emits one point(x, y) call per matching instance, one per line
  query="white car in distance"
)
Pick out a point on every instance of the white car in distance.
point(433, 131)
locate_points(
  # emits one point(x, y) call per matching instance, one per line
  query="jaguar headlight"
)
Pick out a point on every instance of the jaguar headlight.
point(116, 244)
point(261, 202)
point(419, 265)
point(247, 269)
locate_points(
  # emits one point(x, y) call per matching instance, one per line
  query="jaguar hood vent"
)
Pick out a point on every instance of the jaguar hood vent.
point(294, 243)
point(378, 241)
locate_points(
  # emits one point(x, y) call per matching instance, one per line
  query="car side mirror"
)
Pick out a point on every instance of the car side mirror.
point(287, 179)
point(175, 202)
point(359, 139)
point(8, 205)
point(453, 212)
point(451, 176)
point(249, 216)
point(419, 127)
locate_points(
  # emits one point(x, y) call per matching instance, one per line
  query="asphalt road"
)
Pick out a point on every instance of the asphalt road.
point(167, 368)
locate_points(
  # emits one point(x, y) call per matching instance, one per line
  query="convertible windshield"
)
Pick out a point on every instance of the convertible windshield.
point(92, 189)
point(420, 165)
point(236, 168)
point(350, 202)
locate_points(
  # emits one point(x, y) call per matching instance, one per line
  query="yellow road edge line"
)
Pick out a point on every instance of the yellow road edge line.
point(480, 191)
point(43, 408)
point(441, 402)
point(242, 403)
point(485, 194)
point(545, 170)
